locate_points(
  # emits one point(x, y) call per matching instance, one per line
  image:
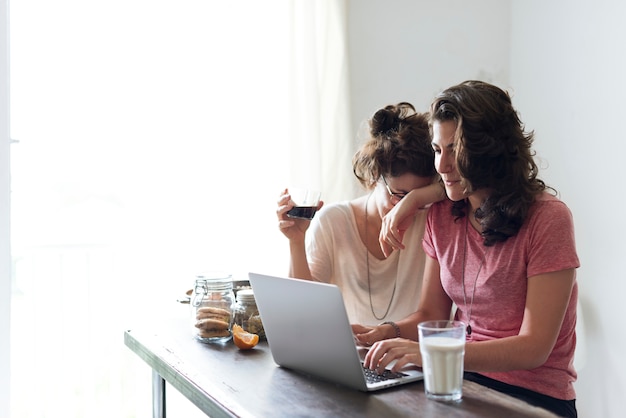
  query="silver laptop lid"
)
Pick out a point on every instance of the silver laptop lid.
point(308, 330)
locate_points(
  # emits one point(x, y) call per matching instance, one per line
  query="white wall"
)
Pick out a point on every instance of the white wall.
point(407, 50)
point(568, 65)
point(565, 63)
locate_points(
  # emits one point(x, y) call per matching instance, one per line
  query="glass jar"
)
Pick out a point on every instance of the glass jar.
point(212, 305)
point(247, 313)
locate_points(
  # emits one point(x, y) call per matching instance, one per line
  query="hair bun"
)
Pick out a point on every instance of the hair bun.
point(388, 120)
point(384, 121)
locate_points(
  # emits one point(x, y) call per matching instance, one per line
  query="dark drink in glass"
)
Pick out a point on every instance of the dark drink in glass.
point(302, 212)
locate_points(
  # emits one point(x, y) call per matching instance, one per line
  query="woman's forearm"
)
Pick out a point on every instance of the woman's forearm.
point(298, 262)
point(504, 354)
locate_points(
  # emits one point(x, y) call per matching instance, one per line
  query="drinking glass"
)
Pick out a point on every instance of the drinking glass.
point(442, 345)
point(306, 201)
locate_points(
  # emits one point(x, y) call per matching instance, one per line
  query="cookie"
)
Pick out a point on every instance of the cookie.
point(213, 313)
point(213, 333)
point(212, 324)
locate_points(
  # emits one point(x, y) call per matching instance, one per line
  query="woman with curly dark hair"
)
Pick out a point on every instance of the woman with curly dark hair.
point(501, 250)
point(342, 244)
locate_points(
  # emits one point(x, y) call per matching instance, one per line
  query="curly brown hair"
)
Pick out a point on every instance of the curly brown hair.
point(493, 151)
point(399, 143)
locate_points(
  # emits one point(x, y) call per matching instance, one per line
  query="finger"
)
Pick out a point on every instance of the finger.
point(387, 235)
point(388, 245)
point(394, 236)
point(360, 329)
point(284, 200)
point(383, 358)
point(402, 362)
point(284, 197)
point(357, 328)
point(383, 237)
point(281, 210)
point(364, 339)
point(284, 224)
point(369, 359)
point(384, 361)
point(411, 357)
point(387, 249)
point(395, 352)
point(398, 245)
point(374, 355)
point(395, 239)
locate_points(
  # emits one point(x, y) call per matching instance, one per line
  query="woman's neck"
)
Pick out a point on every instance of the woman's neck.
point(474, 201)
point(373, 223)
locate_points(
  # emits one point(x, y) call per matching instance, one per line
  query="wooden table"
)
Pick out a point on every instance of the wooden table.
point(223, 381)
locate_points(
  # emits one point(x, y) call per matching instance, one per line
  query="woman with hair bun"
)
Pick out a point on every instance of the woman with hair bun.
point(342, 245)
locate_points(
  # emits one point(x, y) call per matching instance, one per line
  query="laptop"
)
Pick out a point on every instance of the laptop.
point(308, 331)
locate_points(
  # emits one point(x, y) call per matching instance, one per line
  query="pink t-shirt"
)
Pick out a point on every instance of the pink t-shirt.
point(545, 243)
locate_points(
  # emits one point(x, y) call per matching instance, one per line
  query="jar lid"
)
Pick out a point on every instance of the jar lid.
point(245, 295)
point(214, 280)
point(215, 275)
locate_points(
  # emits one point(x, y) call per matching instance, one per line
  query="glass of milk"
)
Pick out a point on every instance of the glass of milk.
point(442, 345)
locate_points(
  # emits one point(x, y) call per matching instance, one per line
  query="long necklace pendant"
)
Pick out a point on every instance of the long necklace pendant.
point(468, 329)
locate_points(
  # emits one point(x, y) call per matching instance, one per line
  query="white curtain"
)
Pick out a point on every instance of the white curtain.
point(5, 251)
point(154, 139)
point(322, 138)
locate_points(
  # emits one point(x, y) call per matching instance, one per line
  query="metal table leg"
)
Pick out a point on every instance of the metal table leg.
point(158, 395)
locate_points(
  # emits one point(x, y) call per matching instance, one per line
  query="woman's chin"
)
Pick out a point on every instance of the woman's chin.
point(455, 193)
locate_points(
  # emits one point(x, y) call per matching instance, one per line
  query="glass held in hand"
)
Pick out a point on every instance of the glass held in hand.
point(305, 201)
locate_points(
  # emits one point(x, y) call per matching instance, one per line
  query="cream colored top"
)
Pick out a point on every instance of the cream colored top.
point(337, 255)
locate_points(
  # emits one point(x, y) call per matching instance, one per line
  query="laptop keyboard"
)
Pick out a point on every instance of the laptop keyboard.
point(372, 376)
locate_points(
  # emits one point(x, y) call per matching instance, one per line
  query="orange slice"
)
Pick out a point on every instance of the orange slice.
point(242, 339)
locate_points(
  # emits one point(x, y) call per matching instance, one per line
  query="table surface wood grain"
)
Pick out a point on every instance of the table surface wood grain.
point(224, 381)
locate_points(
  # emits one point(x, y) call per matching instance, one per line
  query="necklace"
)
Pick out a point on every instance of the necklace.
point(468, 329)
point(367, 258)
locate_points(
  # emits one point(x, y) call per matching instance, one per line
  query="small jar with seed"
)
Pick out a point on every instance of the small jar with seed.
point(247, 313)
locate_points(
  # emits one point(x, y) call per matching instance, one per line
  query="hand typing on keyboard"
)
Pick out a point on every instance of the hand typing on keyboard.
point(374, 376)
